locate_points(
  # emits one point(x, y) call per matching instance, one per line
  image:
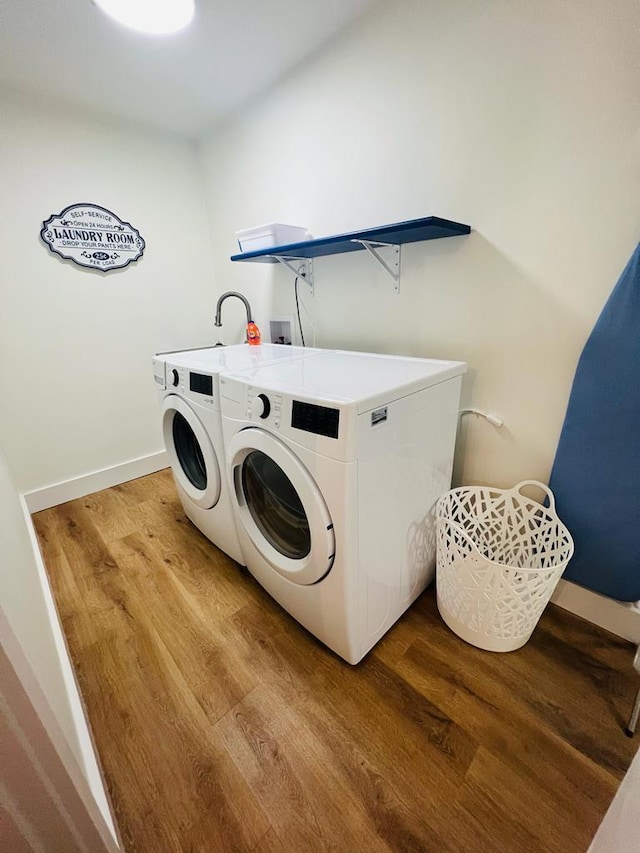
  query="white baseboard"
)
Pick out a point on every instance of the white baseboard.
point(621, 822)
point(95, 481)
point(90, 767)
point(620, 617)
point(44, 498)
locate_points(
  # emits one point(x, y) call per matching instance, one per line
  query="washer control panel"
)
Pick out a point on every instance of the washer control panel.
point(198, 387)
point(264, 407)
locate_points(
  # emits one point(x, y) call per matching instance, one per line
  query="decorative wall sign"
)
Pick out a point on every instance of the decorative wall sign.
point(91, 236)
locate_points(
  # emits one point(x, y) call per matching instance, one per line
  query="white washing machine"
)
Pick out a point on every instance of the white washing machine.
point(188, 390)
point(335, 466)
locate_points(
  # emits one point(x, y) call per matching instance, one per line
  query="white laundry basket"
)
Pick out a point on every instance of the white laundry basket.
point(500, 556)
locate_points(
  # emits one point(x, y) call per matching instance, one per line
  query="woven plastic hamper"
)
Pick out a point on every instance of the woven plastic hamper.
point(500, 555)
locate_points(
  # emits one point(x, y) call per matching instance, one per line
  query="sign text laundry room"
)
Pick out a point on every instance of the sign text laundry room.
point(92, 236)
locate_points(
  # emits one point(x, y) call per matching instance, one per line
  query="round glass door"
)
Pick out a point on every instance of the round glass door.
point(275, 506)
point(280, 507)
point(191, 454)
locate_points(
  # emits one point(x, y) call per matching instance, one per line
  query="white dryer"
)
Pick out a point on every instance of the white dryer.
point(188, 390)
point(335, 465)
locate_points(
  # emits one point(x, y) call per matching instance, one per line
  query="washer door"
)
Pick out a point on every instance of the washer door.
point(281, 507)
point(191, 453)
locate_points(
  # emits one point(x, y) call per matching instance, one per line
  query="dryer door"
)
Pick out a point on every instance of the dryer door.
point(280, 507)
point(191, 453)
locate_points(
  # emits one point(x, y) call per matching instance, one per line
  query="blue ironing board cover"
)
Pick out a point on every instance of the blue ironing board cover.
point(596, 472)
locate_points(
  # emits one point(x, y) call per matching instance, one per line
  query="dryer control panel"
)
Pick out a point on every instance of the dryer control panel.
point(263, 407)
point(305, 416)
point(320, 420)
point(327, 426)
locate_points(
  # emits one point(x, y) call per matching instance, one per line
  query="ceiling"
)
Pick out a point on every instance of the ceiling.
point(234, 49)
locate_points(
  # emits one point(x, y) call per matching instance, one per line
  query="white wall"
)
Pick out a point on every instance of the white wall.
point(75, 344)
point(31, 637)
point(518, 118)
point(24, 606)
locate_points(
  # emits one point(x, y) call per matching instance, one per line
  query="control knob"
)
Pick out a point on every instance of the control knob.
point(175, 378)
point(261, 406)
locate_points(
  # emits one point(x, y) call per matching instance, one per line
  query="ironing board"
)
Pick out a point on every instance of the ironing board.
point(596, 472)
point(635, 713)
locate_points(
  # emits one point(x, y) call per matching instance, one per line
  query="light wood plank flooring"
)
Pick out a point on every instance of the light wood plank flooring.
point(222, 725)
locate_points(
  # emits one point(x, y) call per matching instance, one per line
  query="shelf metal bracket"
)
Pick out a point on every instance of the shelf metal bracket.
point(300, 267)
point(392, 264)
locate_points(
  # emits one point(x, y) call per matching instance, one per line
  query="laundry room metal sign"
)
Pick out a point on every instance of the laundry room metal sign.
point(92, 236)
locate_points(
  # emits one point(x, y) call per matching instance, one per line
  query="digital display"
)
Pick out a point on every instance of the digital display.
point(319, 420)
point(201, 384)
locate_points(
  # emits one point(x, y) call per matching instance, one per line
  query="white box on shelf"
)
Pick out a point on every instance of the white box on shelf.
point(270, 234)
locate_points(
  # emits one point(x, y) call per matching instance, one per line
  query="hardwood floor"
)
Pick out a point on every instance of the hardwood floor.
point(222, 725)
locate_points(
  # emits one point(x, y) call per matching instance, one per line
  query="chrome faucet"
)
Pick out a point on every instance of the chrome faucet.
point(218, 321)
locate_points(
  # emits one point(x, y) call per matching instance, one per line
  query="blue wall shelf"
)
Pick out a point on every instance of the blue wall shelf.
point(379, 242)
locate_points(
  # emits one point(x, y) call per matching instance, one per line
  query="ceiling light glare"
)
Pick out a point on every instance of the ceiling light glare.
point(158, 17)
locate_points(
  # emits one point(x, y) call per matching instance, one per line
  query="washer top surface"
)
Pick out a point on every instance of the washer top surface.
point(238, 357)
point(361, 379)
